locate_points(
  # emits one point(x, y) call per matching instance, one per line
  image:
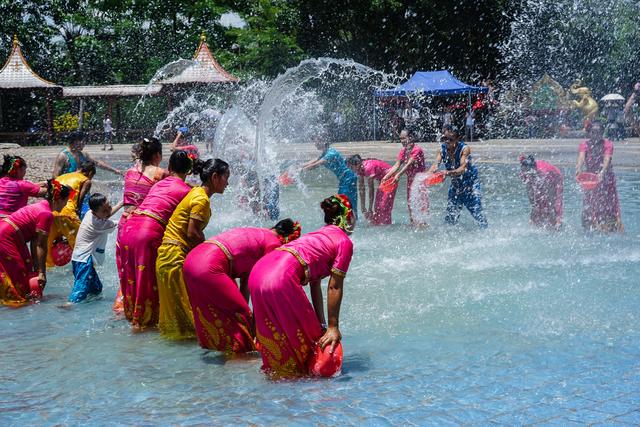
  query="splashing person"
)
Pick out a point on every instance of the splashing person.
point(67, 221)
point(288, 326)
point(141, 238)
point(410, 160)
point(138, 181)
point(73, 156)
point(333, 160)
point(544, 188)
point(600, 206)
point(185, 231)
point(464, 190)
point(30, 224)
point(222, 317)
point(183, 142)
point(14, 189)
point(380, 203)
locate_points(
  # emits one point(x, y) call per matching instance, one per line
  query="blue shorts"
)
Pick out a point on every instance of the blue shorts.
point(86, 281)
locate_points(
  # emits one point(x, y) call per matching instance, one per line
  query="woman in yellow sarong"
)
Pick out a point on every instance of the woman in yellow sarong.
point(67, 221)
point(185, 231)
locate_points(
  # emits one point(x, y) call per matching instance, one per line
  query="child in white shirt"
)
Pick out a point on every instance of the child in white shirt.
point(90, 244)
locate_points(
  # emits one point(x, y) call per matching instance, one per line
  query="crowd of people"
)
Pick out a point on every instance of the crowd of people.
point(176, 280)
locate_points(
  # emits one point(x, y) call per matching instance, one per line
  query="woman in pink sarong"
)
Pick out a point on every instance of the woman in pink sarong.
point(141, 238)
point(544, 188)
point(30, 224)
point(410, 161)
point(221, 312)
point(600, 206)
point(379, 213)
point(288, 326)
point(138, 180)
point(14, 189)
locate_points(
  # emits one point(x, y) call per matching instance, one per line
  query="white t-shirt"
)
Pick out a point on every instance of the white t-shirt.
point(92, 238)
point(107, 125)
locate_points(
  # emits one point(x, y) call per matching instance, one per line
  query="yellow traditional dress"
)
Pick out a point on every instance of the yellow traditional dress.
point(66, 222)
point(176, 317)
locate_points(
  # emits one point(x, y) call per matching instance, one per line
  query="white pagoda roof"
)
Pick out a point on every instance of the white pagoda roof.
point(205, 69)
point(17, 74)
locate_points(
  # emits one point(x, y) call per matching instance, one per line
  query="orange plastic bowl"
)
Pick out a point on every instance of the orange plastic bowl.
point(61, 253)
point(388, 185)
point(588, 181)
point(434, 179)
point(325, 364)
point(285, 179)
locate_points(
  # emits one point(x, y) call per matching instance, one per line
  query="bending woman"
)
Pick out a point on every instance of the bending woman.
point(138, 180)
point(185, 231)
point(30, 224)
point(373, 170)
point(600, 206)
point(544, 188)
point(14, 189)
point(221, 313)
point(333, 160)
point(141, 238)
point(288, 326)
point(67, 222)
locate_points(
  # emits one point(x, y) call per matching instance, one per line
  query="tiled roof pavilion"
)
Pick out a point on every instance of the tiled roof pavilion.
point(17, 74)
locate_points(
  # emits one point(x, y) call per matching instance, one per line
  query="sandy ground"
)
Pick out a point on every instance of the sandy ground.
point(561, 152)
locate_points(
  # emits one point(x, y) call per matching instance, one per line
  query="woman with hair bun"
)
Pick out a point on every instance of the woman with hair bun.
point(140, 239)
point(138, 180)
point(30, 224)
point(222, 317)
point(288, 326)
point(185, 231)
point(14, 189)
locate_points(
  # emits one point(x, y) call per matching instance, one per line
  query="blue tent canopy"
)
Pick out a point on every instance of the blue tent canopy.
point(434, 83)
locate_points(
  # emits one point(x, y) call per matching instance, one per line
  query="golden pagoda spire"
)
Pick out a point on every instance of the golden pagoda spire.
point(15, 40)
point(203, 37)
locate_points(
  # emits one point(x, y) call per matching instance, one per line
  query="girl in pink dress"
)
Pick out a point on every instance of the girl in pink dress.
point(544, 188)
point(379, 213)
point(137, 182)
point(600, 206)
point(288, 326)
point(14, 189)
point(410, 161)
point(28, 224)
point(221, 312)
point(141, 238)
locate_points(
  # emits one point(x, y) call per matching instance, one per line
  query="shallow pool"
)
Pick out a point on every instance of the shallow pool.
point(448, 326)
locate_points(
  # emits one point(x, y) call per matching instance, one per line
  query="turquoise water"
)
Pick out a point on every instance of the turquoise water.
point(447, 326)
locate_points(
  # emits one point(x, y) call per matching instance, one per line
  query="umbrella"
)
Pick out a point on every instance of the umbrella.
point(612, 97)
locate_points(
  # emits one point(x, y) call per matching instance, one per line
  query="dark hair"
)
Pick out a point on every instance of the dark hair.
point(180, 162)
point(146, 149)
point(10, 164)
point(88, 167)
point(452, 128)
point(76, 136)
point(206, 169)
point(64, 192)
point(331, 210)
point(528, 162)
point(354, 160)
point(96, 201)
point(284, 227)
point(595, 122)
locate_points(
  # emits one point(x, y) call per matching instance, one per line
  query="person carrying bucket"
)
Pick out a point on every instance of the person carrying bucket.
point(464, 190)
point(544, 188)
point(369, 171)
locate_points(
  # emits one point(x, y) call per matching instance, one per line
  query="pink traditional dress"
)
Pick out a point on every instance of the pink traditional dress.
point(286, 324)
point(136, 188)
point(14, 194)
point(545, 194)
point(417, 167)
point(139, 245)
point(16, 267)
point(222, 317)
point(383, 205)
point(601, 206)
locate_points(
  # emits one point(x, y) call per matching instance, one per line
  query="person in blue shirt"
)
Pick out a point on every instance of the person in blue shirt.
point(464, 190)
point(333, 160)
